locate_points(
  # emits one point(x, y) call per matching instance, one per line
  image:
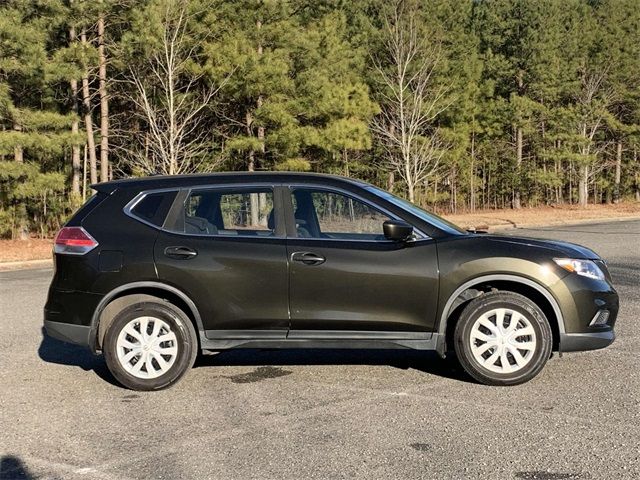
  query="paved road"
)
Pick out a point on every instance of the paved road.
point(319, 414)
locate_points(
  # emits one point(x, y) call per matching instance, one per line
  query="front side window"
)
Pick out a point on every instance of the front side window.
point(422, 214)
point(331, 215)
point(230, 212)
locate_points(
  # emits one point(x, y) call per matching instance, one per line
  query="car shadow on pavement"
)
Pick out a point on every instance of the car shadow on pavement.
point(11, 467)
point(426, 362)
point(61, 353)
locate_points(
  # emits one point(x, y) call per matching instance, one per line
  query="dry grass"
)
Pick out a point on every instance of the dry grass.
point(22, 250)
point(39, 249)
point(496, 219)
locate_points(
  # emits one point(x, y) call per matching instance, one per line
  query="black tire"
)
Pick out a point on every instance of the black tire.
point(186, 343)
point(520, 304)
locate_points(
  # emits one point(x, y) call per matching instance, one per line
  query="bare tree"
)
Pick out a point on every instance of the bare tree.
point(88, 121)
point(170, 101)
point(592, 102)
point(411, 101)
point(75, 148)
point(104, 101)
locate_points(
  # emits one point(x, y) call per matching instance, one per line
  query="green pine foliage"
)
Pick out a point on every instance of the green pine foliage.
point(541, 98)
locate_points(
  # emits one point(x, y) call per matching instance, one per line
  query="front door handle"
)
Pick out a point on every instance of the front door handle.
point(180, 252)
point(308, 258)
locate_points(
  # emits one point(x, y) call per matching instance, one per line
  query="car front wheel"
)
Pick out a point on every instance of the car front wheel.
point(502, 338)
point(150, 345)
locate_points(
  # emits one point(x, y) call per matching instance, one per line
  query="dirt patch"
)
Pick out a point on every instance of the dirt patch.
point(23, 250)
point(259, 374)
point(543, 475)
point(558, 215)
point(421, 447)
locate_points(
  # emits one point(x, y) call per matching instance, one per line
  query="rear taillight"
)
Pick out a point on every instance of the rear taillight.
point(74, 241)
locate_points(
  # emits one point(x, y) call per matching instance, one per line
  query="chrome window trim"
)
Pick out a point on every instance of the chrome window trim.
point(393, 216)
point(128, 208)
point(290, 186)
point(131, 205)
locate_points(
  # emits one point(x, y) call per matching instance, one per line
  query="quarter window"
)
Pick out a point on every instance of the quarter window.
point(153, 207)
point(230, 212)
point(325, 214)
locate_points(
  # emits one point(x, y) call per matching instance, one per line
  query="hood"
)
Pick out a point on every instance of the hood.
point(560, 249)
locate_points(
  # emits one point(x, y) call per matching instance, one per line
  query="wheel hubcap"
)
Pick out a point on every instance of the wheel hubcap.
point(503, 340)
point(146, 347)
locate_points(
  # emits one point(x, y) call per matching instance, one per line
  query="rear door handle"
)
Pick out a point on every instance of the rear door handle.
point(308, 258)
point(180, 252)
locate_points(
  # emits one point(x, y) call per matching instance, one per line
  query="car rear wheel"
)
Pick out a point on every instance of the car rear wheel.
point(150, 345)
point(502, 338)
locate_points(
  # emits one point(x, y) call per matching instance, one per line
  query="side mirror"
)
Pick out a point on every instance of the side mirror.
point(397, 230)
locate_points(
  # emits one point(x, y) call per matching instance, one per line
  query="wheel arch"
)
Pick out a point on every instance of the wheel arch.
point(514, 283)
point(137, 291)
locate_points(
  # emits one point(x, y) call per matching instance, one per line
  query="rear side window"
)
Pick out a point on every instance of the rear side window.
point(230, 212)
point(153, 207)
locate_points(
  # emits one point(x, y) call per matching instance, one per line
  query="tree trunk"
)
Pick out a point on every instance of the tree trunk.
point(84, 175)
point(251, 167)
point(583, 186)
point(18, 153)
point(255, 203)
point(637, 166)
point(454, 199)
point(88, 122)
point(104, 103)
point(75, 148)
point(472, 173)
point(516, 193)
point(412, 194)
point(570, 183)
point(345, 162)
point(391, 181)
point(260, 100)
point(519, 141)
point(263, 212)
point(616, 186)
point(21, 208)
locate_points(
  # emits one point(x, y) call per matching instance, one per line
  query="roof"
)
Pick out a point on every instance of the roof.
point(168, 181)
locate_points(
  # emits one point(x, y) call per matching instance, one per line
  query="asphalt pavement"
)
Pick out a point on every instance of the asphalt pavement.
point(322, 414)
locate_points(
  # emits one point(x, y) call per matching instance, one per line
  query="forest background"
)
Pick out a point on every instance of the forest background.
point(457, 105)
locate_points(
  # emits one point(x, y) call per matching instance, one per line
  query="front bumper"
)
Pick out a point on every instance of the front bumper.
point(68, 332)
point(582, 301)
point(577, 342)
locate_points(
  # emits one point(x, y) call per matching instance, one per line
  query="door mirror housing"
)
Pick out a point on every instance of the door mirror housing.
point(397, 230)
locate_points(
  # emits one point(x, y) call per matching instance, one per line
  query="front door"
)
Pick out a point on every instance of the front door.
point(227, 252)
point(346, 276)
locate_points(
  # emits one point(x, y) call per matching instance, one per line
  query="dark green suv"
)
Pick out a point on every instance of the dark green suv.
point(151, 271)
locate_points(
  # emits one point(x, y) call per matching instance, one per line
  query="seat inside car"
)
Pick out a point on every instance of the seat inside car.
point(305, 217)
point(199, 226)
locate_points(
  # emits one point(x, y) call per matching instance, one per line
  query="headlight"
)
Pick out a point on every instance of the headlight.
point(586, 268)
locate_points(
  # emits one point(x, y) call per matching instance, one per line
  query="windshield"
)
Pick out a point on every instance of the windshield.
point(428, 217)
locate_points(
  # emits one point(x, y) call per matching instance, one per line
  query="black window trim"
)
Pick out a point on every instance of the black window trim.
point(315, 186)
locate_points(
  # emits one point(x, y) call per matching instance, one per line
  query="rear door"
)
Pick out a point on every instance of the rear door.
point(347, 277)
point(225, 248)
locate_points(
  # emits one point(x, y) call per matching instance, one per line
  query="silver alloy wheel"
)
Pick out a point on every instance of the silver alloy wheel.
point(503, 340)
point(146, 347)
